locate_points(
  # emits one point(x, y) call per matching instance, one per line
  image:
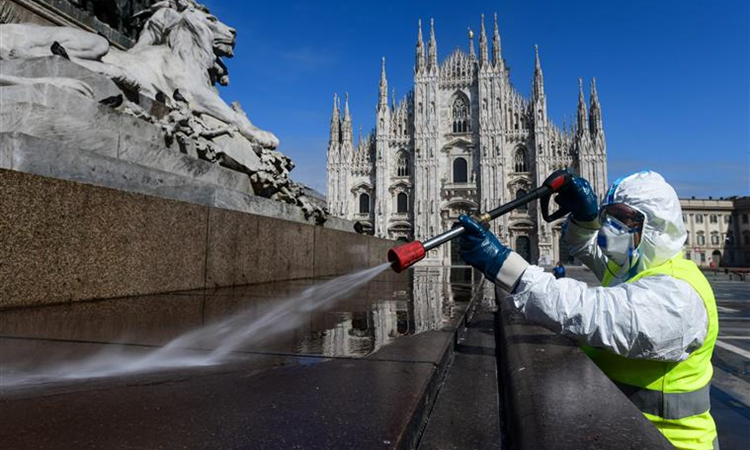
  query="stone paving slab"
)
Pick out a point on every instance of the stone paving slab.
point(261, 403)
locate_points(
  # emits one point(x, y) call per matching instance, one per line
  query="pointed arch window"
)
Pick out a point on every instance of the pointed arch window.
point(519, 160)
point(460, 171)
point(364, 204)
point(460, 116)
point(402, 203)
point(402, 165)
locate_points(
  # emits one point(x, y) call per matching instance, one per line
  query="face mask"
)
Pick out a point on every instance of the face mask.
point(616, 241)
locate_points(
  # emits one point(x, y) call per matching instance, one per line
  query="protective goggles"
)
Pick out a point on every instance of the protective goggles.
point(623, 214)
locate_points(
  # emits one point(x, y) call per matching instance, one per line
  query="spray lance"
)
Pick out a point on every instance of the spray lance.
point(408, 254)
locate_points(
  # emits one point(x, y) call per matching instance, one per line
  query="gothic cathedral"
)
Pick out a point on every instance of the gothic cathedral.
point(462, 140)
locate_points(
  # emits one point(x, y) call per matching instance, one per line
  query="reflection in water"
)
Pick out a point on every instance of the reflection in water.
point(437, 296)
point(342, 317)
point(223, 337)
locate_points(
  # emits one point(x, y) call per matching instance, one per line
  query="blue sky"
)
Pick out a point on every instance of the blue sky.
point(673, 75)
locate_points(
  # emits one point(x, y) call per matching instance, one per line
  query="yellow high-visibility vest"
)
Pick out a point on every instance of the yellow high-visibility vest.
point(674, 396)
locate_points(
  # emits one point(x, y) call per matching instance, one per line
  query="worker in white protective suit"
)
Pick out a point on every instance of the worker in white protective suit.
point(652, 325)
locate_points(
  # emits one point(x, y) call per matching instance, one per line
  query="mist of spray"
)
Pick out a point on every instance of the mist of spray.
point(225, 337)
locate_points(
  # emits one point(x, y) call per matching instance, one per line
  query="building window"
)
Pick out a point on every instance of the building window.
point(364, 204)
point(520, 160)
point(523, 247)
point(699, 218)
point(746, 237)
point(701, 239)
point(714, 238)
point(727, 219)
point(519, 194)
point(402, 165)
point(460, 116)
point(713, 218)
point(688, 255)
point(687, 238)
point(684, 219)
point(402, 203)
point(702, 257)
point(744, 218)
point(460, 170)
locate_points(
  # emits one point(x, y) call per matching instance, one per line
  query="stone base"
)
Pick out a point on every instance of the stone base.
point(62, 241)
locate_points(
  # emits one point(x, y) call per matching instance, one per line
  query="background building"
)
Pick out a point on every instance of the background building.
point(463, 139)
point(718, 231)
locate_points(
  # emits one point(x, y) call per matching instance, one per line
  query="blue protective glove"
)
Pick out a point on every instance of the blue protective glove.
point(481, 249)
point(579, 198)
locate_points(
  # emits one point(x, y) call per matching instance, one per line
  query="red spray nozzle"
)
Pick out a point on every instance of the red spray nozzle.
point(405, 255)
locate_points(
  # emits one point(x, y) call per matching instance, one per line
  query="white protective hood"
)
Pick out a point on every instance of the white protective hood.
point(664, 232)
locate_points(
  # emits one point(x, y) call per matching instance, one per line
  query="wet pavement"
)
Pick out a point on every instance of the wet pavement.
point(355, 374)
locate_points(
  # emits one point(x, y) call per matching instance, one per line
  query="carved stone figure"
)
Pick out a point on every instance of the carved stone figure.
point(176, 62)
point(177, 49)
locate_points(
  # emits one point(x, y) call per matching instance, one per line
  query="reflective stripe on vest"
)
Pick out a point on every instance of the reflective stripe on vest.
point(669, 405)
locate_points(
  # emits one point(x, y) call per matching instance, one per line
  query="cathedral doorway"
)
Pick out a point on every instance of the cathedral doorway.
point(523, 247)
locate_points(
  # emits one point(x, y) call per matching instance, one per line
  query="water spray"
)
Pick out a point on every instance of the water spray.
point(406, 255)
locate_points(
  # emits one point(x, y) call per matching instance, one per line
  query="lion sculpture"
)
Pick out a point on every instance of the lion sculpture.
point(179, 48)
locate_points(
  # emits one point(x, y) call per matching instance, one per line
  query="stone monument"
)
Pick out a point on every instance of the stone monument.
point(148, 118)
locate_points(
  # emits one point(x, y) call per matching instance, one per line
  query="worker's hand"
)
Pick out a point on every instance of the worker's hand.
point(481, 249)
point(579, 198)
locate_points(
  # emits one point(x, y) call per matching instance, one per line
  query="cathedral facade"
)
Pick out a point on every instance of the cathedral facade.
point(462, 140)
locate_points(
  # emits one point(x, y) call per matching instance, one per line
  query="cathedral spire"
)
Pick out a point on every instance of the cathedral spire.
point(472, 53)
point(497, 54)
point(582, 123)
point(483, 55)
point(432, 48)
point(538, 76)
point(419, 65)
point(383, 95)
point(595, 111)
point(346, 124)
point(335, 121)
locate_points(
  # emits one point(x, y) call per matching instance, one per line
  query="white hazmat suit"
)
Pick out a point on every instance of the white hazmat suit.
point(657, 318)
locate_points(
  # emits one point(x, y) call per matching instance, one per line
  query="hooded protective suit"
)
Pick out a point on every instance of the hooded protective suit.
point(652, 327)
point(657, 318)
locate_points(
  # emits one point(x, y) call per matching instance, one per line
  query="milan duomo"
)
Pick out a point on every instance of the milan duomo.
point(462, 140)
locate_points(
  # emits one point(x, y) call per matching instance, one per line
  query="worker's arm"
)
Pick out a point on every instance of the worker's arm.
point(581, 238)
point(582, 227)
point(658, 318)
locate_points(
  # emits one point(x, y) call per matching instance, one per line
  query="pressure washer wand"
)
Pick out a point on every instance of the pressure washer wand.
point(408, 254)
